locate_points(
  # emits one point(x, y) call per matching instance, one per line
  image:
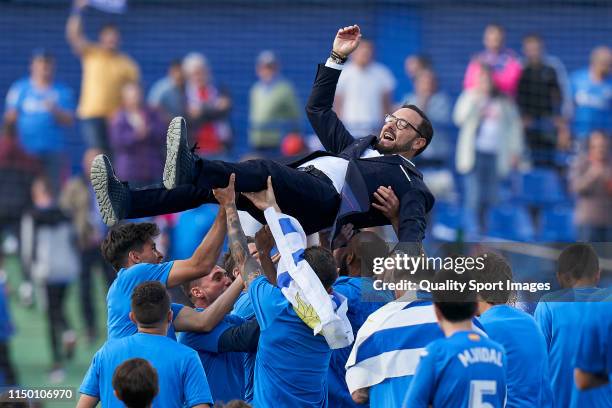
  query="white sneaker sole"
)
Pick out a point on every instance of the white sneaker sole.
point(173, 142)
point(99, 181)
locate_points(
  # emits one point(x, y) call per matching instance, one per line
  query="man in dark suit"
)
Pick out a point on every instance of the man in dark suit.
point(322, 189)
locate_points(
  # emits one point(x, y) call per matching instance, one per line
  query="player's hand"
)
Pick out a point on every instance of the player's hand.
point(226, 196)
point(264, 241)
point(347, 40)
point(263, 199)
point(387, 203)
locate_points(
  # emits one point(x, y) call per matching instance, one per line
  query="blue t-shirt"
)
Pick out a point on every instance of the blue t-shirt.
point(463, 370)
point(594, 354)
point(362, 301)
point(38, 130)
point(558, 315)
point(182, 381)
point(243, 307)
point(226, 369)
point(593, 103)
point(523, 341)
point(291, 364)
point(118, 299)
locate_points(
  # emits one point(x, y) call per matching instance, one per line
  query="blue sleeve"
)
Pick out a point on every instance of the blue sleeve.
point(196, 389)
point(422, 387)
point(176, 309)
point(542, 317)
point(91, 382)
point(265, 299)
point(152, 272)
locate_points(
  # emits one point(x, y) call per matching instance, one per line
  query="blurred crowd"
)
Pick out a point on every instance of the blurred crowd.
point(518, 115)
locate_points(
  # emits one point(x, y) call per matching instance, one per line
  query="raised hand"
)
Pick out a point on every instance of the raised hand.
point(264, 198)
point(347, 40)
point(226, 196)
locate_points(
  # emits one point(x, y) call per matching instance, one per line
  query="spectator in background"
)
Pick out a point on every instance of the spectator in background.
point(17, 171)
point(591, 181)
point(592, 95)
point(437, 106)
point(503, 62)
point(168, 93)
point(78, 201)
point(559, 315)
point(414, 65)
point(135, 383)
point(105, 71)
point(540, 102)
point(43, 112)
point(137, 138)
point(50, 253)
point(490, 142)
point(207, 107)
point(273, 106)
point(364, 92)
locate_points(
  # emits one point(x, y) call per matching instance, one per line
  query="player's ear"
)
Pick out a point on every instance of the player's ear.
point(132, 318)
point(134, 257)
point(170, 315)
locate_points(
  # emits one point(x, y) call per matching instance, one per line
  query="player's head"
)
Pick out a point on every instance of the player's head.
point(204, 291)
point(364, 54)
point(150, 305)
point(493, 38)
point(407, 131)
point(175, 71)
point(453, 305)
point(361, 251)
point(323, 264)
point(129, 244)
point(42, 65)
point(495, 269)
point(237, 404)
point(109, 37)
point(425, 83)
point(135, 383)
point(578, 265)
point(228, 260)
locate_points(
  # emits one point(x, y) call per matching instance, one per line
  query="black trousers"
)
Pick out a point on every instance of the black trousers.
point(91, 257)
point(7, 372)
point(312, 200)
point(56, 317)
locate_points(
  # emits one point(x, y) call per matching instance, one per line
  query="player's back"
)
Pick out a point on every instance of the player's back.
point(463, 370)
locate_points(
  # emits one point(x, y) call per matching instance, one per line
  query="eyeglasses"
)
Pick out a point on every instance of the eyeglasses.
point(402, 124)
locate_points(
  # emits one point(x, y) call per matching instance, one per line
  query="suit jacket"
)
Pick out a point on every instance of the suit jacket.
point(364, 176)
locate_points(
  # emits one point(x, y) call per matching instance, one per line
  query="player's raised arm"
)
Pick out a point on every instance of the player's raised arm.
point(203, 259)
point(248, 266)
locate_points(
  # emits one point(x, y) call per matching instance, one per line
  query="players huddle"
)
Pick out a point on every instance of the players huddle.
point(287, 331)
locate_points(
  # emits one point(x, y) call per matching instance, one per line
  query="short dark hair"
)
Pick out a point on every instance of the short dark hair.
point(237, 404)
point(322, 262)
point(135, 382)
point(496, 269)
point(150, 303)
point(124, 238)
point(365, 247)
point(533, 37)
point(578, 261)
point(454, 305)
point(425, 128)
